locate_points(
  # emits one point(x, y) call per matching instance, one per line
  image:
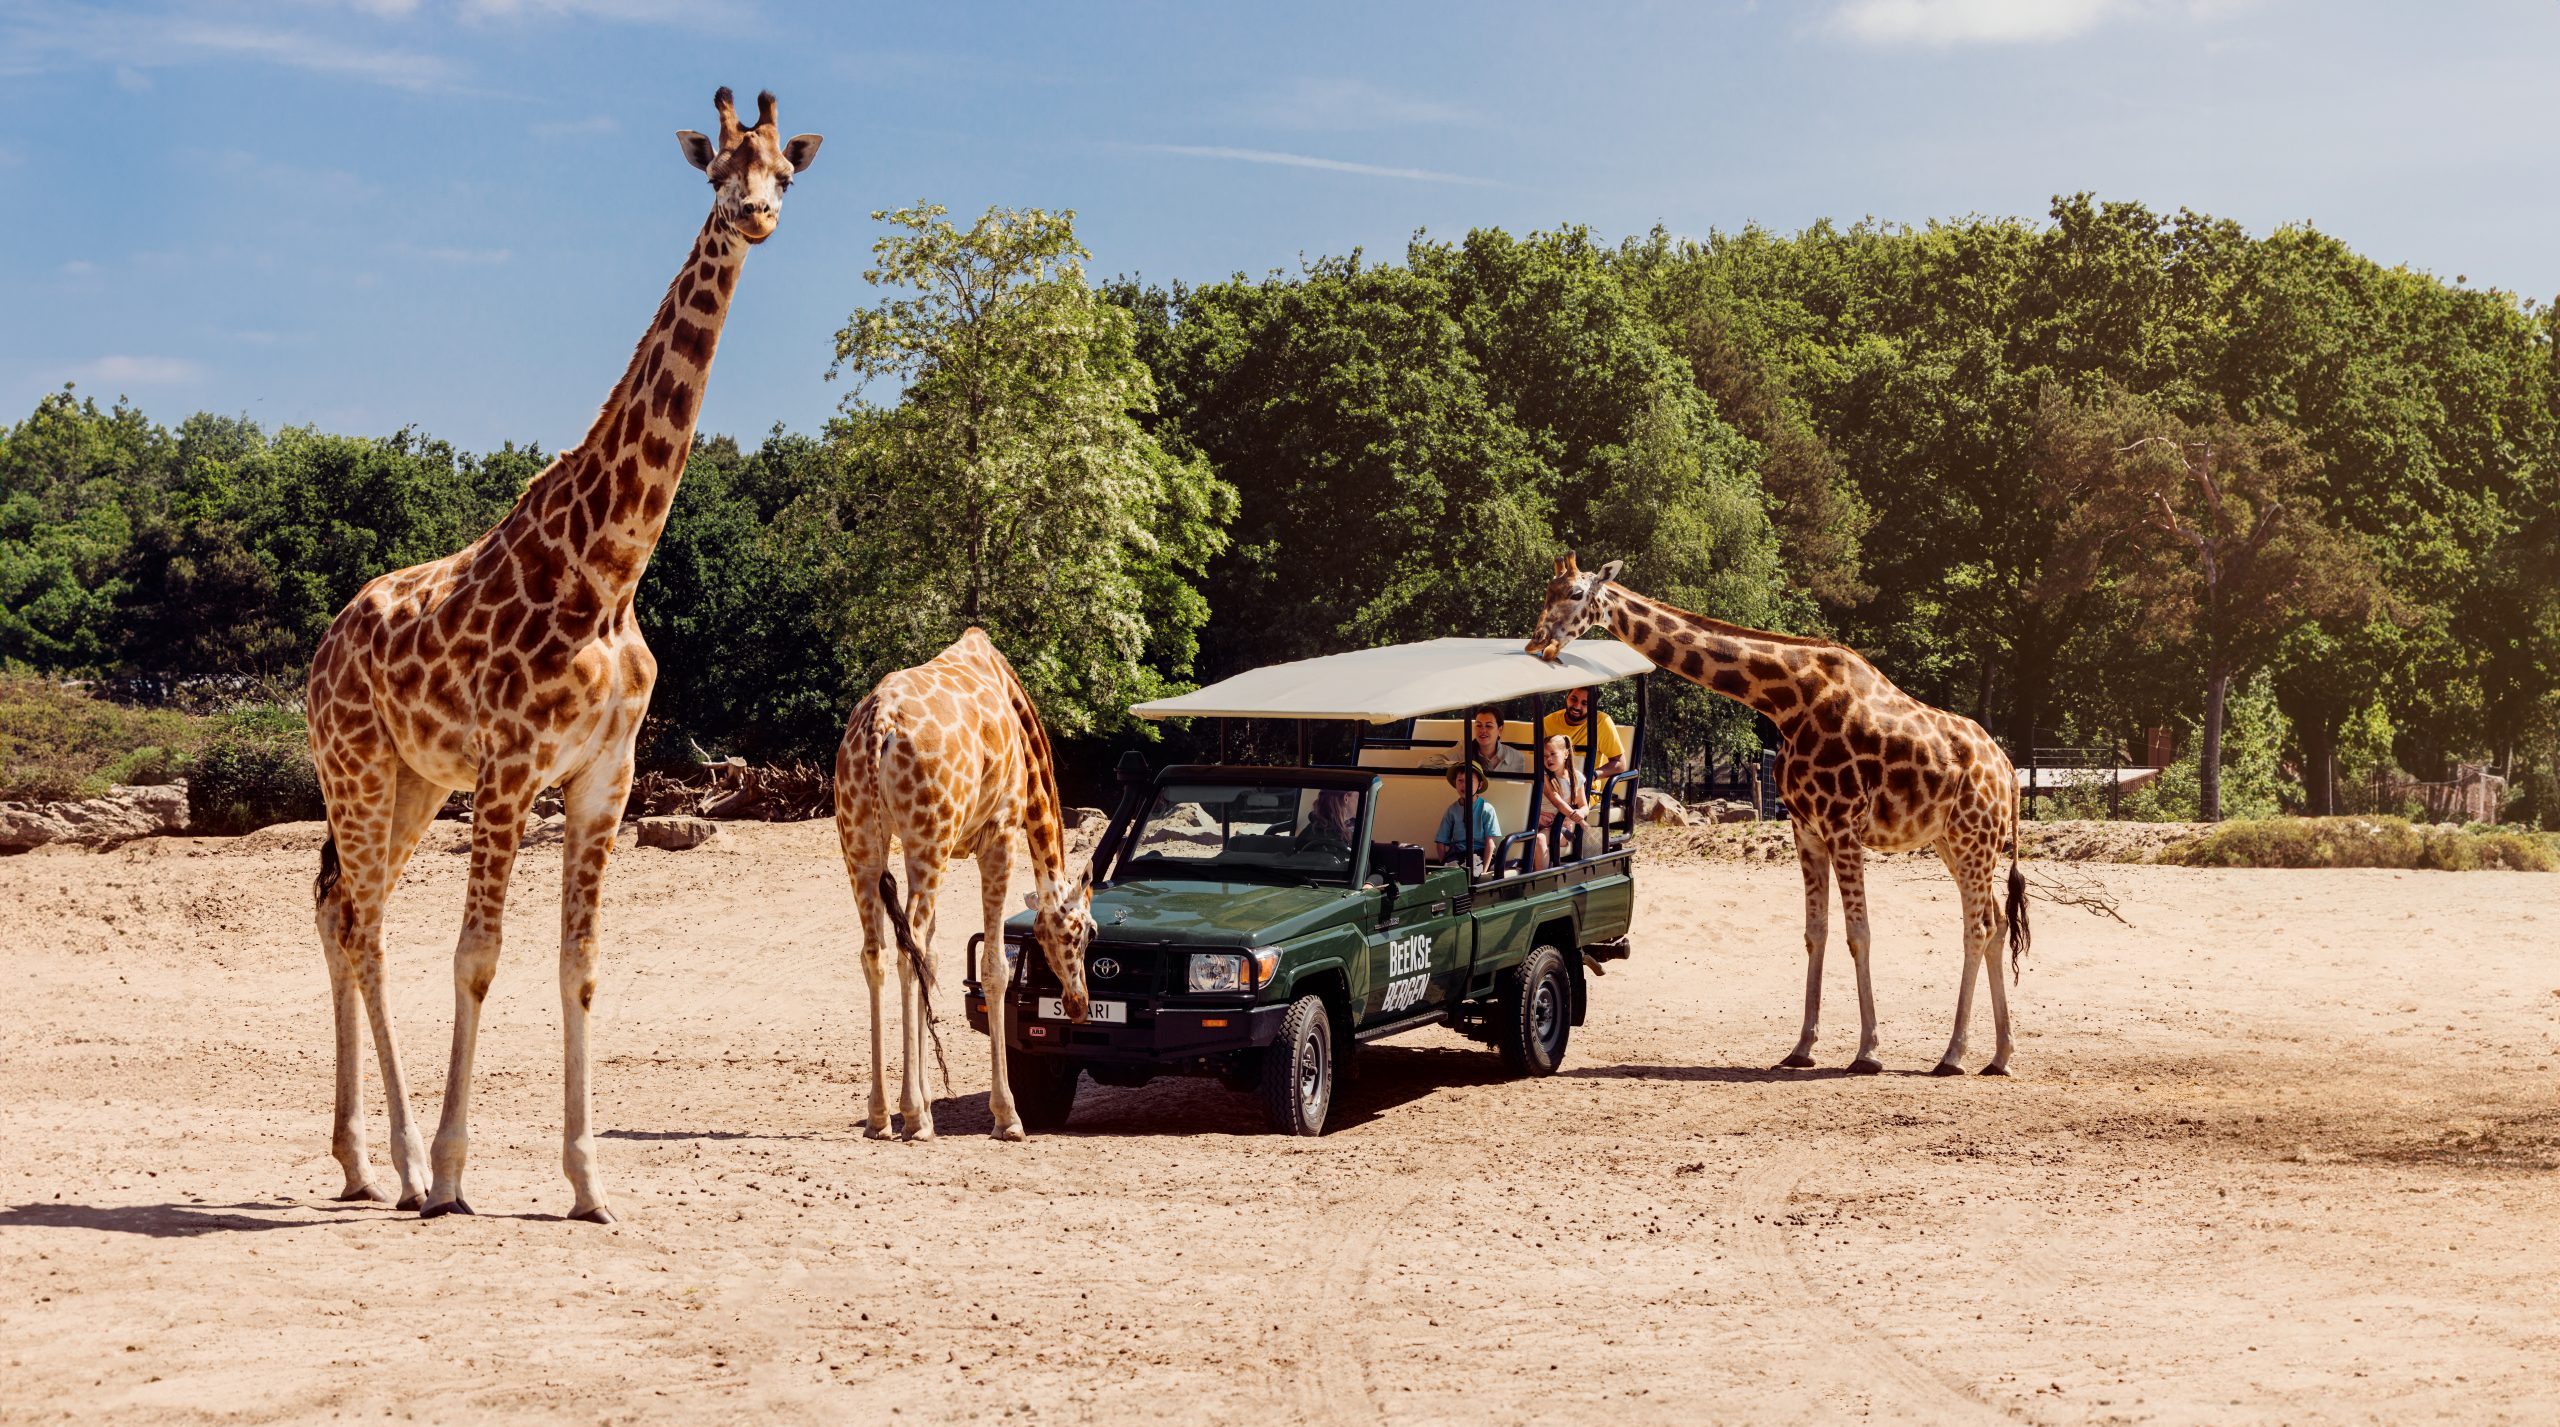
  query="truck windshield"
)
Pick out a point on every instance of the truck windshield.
point(1260, 831)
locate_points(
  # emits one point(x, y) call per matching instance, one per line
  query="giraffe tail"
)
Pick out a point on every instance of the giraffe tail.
point(915, 956)
point(328, 878)
point(2019, 936)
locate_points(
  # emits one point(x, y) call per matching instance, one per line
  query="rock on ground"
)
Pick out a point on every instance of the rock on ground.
point(125, 813)
point(675, 834)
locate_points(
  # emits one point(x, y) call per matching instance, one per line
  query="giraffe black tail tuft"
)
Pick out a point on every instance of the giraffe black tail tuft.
point(328, 877)
point(2019, 937)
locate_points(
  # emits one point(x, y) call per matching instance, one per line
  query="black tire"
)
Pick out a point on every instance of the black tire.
point(1536, 1018)
point(1297, 1070)
point(1044, 1090)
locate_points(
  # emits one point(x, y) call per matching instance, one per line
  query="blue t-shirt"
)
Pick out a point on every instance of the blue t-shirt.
point(1453, 825)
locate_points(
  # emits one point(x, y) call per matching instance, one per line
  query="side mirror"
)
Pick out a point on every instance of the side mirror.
point(1403, 863)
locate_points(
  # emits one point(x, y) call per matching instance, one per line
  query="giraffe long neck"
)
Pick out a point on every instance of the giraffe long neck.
point(1044, 816)
point(1769, 673)
point(605, 500)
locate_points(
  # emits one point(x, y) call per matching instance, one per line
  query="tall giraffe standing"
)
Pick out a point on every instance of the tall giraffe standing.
point(510, 666)
point(1866, 767)
point(949, 758)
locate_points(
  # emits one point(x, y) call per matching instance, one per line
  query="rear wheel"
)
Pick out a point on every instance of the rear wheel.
point(1536, 1016)
point(1297, 1071)
point(1044, 1089)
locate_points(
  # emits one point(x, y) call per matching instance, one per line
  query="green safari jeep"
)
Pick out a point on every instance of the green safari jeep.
point(1255, 922)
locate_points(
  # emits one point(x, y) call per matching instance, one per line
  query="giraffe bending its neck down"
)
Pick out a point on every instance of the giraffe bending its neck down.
point(1866, 766)
point(950, 759)
point(506, 668)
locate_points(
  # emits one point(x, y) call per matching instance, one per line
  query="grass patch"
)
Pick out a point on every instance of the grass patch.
point(58, 742)
point(2367, 842)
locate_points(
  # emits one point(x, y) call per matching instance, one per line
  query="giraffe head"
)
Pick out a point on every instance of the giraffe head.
point(749, 166)
point(1576, 600)
point(1062, 922)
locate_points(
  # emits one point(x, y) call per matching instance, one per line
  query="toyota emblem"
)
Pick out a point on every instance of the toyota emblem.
point(1105, 968)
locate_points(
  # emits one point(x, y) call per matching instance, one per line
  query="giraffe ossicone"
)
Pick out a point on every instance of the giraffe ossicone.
point(1865, 767)
point(949, 758)
point(510, 666)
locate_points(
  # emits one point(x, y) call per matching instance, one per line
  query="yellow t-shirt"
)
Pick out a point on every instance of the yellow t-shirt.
point(1612, 743)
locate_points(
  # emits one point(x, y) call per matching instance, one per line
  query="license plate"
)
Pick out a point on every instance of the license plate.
point(1112, 1013)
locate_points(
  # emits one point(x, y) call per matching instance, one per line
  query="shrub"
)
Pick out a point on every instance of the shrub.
point(58, 741)
point(2366, 842)
point(254, 770)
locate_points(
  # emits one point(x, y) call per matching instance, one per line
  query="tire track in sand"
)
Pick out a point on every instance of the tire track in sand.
point(1326, 1369)
point(1844, 1354)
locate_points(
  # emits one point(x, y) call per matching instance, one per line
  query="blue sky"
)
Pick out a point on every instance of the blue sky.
point(460, 213)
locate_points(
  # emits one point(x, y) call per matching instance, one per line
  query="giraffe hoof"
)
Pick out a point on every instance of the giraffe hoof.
point(596, 1215)
point(1011, 1134)
point(364, 1193)
point(411, 1201)
point(879, 1131)
point(438, 1211)
point(922, 1134)
point(1995, 1069)
point(1866, 1065)
point(1797, 1061)
point(1946, 1067)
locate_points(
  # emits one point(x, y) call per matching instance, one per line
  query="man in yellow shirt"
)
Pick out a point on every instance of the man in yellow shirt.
point(1574, 721)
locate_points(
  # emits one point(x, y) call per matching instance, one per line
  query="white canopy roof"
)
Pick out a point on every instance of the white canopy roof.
point(1403, 681)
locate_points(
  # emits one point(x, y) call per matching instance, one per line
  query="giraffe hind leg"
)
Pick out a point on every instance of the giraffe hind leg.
point(1973, 876)
point(376, 816)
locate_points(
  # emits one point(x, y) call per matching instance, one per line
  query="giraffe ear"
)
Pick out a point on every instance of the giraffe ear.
point(697, 149)
point(1610, 571)
point(802, 151)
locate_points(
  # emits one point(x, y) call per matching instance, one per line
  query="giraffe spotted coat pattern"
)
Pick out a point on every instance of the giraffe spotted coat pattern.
point(1865, 766)
point(949, 758)
point(508, 667)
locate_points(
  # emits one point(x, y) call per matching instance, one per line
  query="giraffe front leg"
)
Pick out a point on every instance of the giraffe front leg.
point(1849, 862)
point(498, 808)
point(1815, 860)
point(995, 870)
point(592, 803)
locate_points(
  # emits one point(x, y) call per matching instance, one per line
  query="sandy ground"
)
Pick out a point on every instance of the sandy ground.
point(2287, 1150)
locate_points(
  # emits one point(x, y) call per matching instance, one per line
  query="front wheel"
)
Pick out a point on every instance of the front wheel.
point(1297, 1071)
point(1536, 1017)
point(1044, 1090)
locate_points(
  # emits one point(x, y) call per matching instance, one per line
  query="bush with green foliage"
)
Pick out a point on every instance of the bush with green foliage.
point(2368, 842)
point(254, 769)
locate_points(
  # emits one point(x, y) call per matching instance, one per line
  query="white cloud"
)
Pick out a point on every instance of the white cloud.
point(1354, 104)
point(131, 80)
point(132, 371)
point(1973, 22)
point(79, 267)
point(630, 12)
point(588, 127)
point(458, 257)
point(1286, 160)
point(132, 44)
point(330, 183)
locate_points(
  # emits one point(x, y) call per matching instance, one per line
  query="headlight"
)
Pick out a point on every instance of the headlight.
point(1219, 971)
point(1229, 970)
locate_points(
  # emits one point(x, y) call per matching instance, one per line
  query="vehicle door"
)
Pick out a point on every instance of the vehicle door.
point(1418, 952)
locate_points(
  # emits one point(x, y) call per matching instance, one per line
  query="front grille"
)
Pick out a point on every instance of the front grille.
point(1142, 971)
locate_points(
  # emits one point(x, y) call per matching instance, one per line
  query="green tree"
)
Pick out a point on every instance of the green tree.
point(2242, 557)
point(1012, 485)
